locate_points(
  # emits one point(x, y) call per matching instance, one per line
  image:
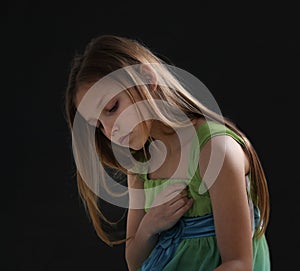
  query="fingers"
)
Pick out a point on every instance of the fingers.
point(174, 189)
point(183, 194)
point(182, 208)
point(181, 203)
point(171, 193)
point(181, 200)
point(170, 205)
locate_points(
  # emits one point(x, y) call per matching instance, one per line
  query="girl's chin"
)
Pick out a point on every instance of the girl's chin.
point(135, 147)
point(129, 145)
point(133, 144)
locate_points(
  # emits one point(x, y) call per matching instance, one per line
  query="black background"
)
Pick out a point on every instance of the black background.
point(248, 57)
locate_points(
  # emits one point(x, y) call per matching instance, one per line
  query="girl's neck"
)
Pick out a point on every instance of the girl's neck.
point(169, 136)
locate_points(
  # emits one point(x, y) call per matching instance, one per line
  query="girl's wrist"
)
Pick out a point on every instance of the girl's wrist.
point(148, 227)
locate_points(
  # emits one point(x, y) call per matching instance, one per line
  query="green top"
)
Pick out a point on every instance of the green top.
point(201, 254)
point(202, 202)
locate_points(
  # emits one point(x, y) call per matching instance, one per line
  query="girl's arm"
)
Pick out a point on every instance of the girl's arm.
point(228, 194)
point(141, 237)
point(143, 228)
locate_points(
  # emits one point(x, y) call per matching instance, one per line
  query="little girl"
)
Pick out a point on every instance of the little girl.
point(198, 196)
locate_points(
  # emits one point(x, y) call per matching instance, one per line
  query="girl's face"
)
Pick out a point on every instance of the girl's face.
point(119, 120)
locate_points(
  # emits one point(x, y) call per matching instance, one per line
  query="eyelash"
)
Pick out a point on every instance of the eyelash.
point(114, 108)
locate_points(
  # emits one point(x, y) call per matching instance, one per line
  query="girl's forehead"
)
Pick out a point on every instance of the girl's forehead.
point(101, 92)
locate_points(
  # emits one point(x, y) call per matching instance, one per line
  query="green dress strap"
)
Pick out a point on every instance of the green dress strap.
point(205, 132)
point(198, 190)
point(210, 129)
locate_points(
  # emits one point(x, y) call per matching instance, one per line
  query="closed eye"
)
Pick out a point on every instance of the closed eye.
point(114, 108)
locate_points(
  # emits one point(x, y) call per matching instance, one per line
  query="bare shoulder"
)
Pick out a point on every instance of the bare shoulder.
point(222, 152)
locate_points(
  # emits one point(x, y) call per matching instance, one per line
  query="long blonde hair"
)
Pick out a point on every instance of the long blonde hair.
point(108, 53)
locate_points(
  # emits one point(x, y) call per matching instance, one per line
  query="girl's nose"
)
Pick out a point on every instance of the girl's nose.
point(114, 130)
point(110, 130)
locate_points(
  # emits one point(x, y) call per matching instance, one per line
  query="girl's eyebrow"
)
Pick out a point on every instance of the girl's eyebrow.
point(105, 101)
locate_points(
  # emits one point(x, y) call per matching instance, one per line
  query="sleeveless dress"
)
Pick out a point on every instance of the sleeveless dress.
point(201, 253)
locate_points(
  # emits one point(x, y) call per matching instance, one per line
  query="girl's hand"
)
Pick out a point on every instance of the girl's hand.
point(168, 207)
